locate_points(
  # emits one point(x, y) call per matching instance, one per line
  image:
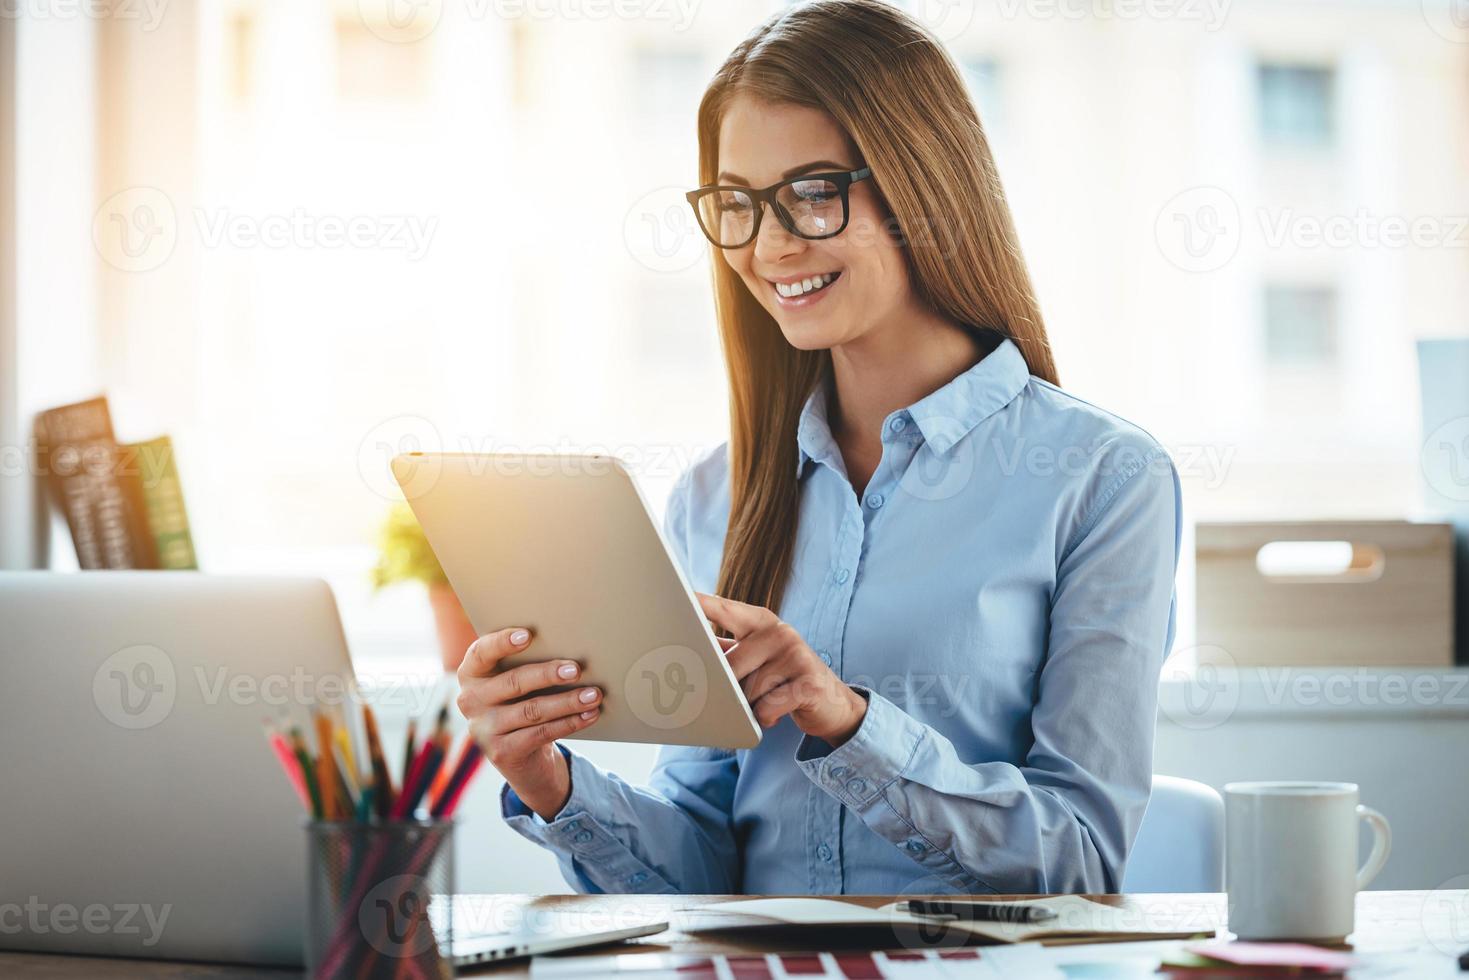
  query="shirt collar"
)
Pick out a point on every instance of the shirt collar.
point(944, 417)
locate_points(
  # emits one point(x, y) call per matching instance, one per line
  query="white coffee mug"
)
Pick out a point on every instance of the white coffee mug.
point(1291, 858)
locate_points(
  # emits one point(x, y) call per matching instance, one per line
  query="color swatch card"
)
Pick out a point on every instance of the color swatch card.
point(854, 965)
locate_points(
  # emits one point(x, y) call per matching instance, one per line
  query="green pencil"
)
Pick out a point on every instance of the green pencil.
point(298, 742)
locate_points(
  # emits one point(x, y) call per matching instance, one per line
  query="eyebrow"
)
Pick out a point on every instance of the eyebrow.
point(805, 168)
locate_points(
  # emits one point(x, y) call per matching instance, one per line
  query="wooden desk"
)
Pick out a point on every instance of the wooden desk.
point(1386, 922)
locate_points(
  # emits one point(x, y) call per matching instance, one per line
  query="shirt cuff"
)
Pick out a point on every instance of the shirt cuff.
point(578, 838)
point(876, 755)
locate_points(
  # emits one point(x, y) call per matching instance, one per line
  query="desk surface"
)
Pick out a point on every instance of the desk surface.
point(1386, 922)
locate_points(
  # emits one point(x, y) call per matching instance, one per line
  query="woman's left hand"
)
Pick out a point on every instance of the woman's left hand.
point(781, 675)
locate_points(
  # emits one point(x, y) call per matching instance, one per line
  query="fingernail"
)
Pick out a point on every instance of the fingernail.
point(589, 695)
point(566, 670)
point(519, 637)
point(587, 715)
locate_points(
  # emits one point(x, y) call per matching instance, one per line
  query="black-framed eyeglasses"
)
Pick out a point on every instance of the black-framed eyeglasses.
point(811, 206)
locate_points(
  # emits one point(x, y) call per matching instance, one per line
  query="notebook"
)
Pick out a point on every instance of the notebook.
point(1078, 920)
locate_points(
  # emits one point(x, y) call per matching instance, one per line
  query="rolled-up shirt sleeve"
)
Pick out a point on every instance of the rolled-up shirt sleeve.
point(672, 836)
point(1064, 820)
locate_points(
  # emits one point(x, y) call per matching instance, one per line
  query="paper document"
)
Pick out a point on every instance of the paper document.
point(1077, 920)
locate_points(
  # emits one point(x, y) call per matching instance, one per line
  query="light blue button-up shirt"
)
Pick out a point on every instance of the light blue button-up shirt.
point(1001, 592)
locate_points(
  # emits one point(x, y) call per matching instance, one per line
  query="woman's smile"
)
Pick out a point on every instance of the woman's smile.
point(802, 292)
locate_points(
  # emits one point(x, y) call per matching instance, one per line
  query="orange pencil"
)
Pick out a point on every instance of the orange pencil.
point(326, 775)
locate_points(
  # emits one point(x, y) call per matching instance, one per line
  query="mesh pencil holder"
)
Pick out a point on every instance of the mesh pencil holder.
point(378, 899)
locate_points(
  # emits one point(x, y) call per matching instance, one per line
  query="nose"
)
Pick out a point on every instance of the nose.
point(773, 242)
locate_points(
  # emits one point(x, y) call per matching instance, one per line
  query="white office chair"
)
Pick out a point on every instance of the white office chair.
point(1180, 846)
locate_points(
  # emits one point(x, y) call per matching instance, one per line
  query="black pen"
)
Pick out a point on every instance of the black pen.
point(980, 911)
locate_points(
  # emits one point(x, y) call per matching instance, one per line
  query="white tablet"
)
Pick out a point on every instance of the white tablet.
point(566, 546)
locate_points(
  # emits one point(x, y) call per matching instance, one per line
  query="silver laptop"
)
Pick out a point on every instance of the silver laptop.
point(142, 812)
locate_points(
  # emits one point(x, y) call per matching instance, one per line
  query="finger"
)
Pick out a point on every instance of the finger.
point(534, 711)
point(523, 681)
point(726, 643)
point(775, 705)
point(747, 656)
point(764, 679)
point(757, 648)
point(739, 618)
point(522, 742)
point(485, 653)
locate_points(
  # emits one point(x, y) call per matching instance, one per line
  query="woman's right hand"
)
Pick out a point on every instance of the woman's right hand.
point(516, 724)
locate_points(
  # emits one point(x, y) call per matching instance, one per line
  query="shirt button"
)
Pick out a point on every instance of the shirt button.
point(874, 500)
point(824, 852)
point(857, 786)
point(574, 826)
point(825, 657)
point(898, 424)
point(840, 772)
point(914, 846)
point(640, 877)
point(583, 837)
point(842, 576)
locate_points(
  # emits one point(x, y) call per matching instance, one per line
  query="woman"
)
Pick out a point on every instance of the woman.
point(948, 584)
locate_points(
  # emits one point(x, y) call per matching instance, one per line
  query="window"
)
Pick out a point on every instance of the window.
point(982, 75)
point(667, 86)
point(1296, 105)
point(1300, 326)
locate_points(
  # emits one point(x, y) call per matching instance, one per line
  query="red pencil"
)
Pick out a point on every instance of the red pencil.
point(448, 801)
point(419, 775)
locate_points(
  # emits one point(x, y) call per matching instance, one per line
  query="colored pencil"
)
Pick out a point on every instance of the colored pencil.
point(422, 773)
point(464, 770)
point(326, 775)
point(308, 770)
point(289, 763)
point(382, 781)
point(346, 779)
point(347, 761)
point(410, 749)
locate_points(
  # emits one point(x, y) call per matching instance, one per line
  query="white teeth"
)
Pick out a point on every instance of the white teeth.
point(804, 286)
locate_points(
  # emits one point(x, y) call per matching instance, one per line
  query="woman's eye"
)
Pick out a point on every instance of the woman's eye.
point(728, 204)
point(814, 192)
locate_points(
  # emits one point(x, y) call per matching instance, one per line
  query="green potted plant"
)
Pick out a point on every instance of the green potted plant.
point(404, 555)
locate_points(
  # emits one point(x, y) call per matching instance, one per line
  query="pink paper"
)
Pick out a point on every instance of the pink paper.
point(1275, 954)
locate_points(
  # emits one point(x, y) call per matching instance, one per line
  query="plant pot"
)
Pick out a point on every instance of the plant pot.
point(455, 632)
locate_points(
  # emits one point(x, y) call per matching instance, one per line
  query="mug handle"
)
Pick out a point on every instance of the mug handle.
point(1381, 845)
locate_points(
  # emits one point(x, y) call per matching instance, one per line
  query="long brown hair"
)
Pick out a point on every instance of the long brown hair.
point(891, 86)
